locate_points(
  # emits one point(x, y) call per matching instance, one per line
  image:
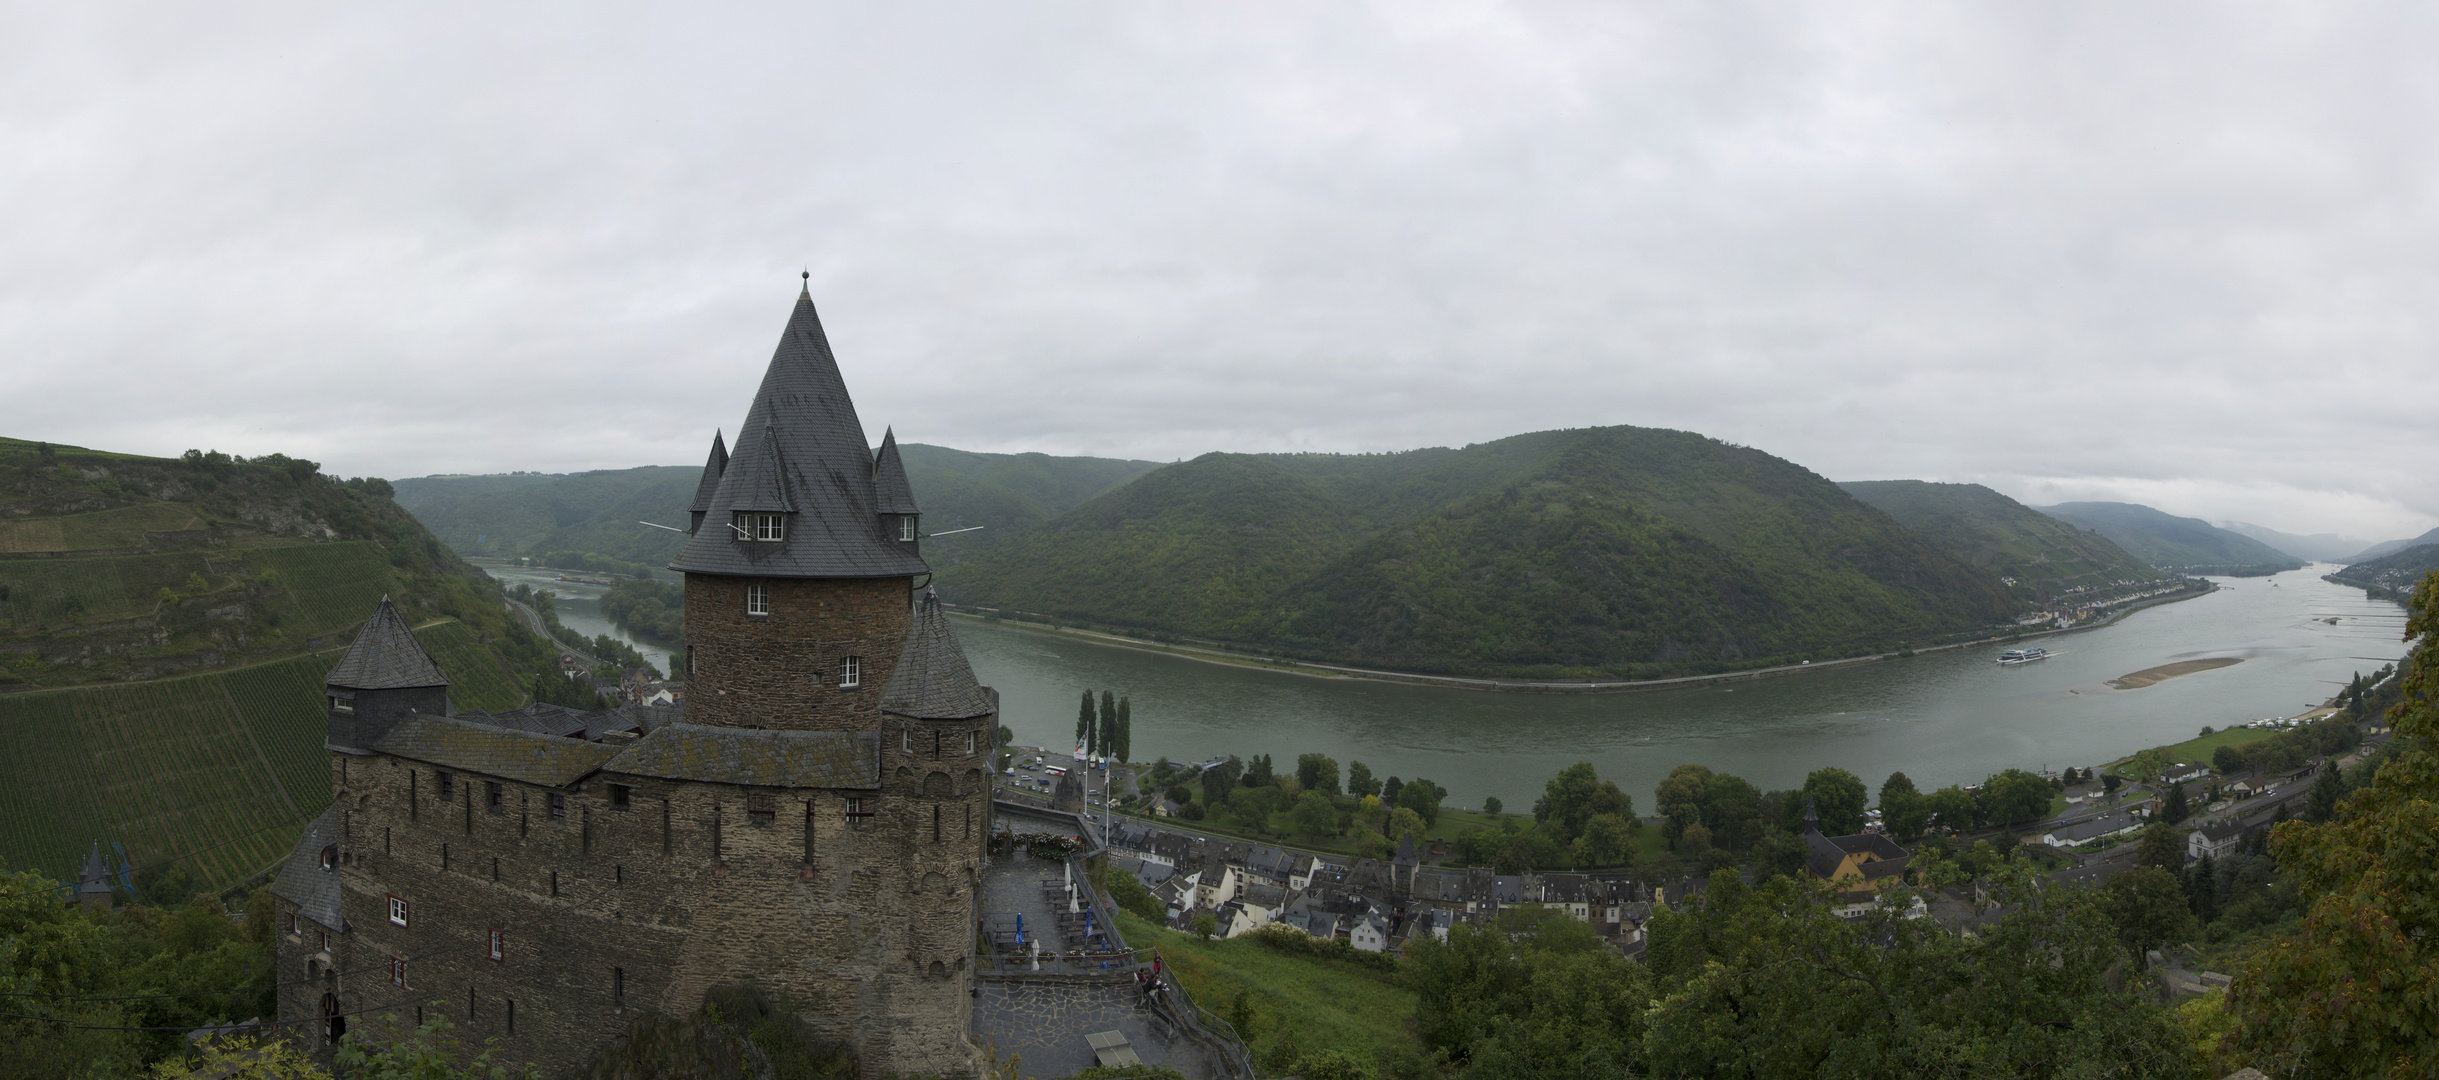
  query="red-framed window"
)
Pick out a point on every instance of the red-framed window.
point(498, 945)
point(398, 910)
point(398, 971)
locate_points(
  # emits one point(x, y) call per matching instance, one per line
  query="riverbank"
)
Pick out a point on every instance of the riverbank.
point(1311, 669)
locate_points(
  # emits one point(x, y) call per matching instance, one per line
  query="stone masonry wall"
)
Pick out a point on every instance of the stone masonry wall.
point(609, 911)
point(782, 670)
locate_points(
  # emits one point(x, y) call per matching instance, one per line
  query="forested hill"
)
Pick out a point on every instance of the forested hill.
point(596, 513)
point(2187, 545)
point(2391, 576)
point(2042, 554)
point(1619, 552)
point(165, 626)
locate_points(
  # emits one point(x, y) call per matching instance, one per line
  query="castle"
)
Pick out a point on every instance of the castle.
point(812, 821)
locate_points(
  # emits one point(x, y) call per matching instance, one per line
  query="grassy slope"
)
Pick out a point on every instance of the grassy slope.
point(1614, 551)
point(1324, 1004)
point(2168, 541)
point(2394, 574)
point(2003, 536)
point(191, 725)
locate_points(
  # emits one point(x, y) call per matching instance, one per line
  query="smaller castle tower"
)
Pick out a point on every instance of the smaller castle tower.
point(384, 678)
point(93, 882)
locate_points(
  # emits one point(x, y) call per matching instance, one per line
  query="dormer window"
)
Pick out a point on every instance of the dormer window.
point(906, 528)
point(340, 704)
point(762, 528)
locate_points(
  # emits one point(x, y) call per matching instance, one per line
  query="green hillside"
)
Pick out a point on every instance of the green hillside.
point(2183, 545)
point(532, 513)
point(2391, 576)
point(164, 629)
point(522, 514)
point(1603, 552)
point(2042, 555)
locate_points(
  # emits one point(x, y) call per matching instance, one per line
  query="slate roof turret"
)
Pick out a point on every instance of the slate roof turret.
point(933, 681)
point(94, 879)
point(801, 452)
point(889, 487)
point(385, 656)
point(709, 485)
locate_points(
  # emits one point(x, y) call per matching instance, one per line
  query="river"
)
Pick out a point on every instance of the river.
point(579, 605)
point(1941, 718)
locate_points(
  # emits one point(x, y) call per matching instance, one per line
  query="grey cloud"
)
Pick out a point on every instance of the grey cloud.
point(2179, 253)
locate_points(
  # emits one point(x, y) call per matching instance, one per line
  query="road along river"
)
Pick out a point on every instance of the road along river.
point(1941, 718)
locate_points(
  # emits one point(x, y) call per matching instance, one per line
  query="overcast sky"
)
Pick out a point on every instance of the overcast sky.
point(2184, 255)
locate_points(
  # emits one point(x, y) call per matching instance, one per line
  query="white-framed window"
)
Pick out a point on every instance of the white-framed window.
point(757, 599)
point(340, 704)
point(762, 528)
point(856, 814)
point(398, 911)
point(851, 671)
point(906, 741)
point(292, 922)
point(398, 971)
point(906, 527)
point(969, 744)
point(498, 945)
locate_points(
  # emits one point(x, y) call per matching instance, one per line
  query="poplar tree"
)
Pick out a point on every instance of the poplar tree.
point(1084, 722)
point(1109, 722)
point(1123, 743)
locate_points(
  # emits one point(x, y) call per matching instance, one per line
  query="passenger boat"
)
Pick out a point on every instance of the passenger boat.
point(2023, 656)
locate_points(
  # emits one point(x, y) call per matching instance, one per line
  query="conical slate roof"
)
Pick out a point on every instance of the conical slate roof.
point(933, 680)
point(385, 656)
point(94, 879)
point(889, 486)
point(801, 445)
point(713, 466)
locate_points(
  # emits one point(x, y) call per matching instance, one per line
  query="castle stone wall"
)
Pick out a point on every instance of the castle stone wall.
point(783, 670)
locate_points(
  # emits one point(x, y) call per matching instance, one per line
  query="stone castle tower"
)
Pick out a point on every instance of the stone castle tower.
point(813, 822)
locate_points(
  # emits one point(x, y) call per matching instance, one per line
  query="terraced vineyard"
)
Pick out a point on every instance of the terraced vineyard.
point(219, 770)
point(332, 585)
point(40, 593)
point(122, 527)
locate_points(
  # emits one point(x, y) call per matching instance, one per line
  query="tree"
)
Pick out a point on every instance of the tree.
point(1219, 778)
point(1732, 812)
point(1084, 718)
point(1314, 815)
point(1318, 773)
point(2173, 807)
point(1107, 726)
point(1903, 811)
point(2014, 795)
point(1951, 808)
point(1839, 798)
point(2226, 759)
point(2326, 793)
point(2351, 993)
point(2160, 846)
point(1360, 781)
point(2201, 890)
point(1680, 798)
point(1257, 771)
point(2149, 908)
point(1575, 795)
point(1423, 797)
point(1204, 925)
point(1403, 821)
point(2149, 764)
point(2109, 783)
point(1606, 840)
point(1389, 789)
point(1491, 805)
point(1124, 743)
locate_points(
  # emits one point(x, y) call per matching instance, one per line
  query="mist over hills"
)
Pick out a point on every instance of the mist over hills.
point(1619, 551)
point(1992, 532)
point(2318, 547)
point(2188, 545)
point(2391, 547)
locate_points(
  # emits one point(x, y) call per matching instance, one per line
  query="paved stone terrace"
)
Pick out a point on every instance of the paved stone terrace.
point(1045, 1022)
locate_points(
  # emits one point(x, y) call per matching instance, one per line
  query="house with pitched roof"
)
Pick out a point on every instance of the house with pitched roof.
point(1863, 861)
point(810, 819)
